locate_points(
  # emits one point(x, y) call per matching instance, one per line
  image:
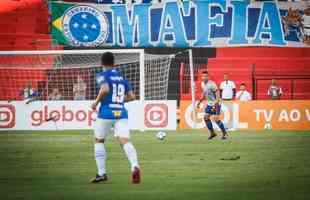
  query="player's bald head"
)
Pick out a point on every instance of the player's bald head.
point(107, 59)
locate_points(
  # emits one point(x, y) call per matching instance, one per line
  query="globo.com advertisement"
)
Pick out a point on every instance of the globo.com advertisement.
point(155, 115)
point(75, 115)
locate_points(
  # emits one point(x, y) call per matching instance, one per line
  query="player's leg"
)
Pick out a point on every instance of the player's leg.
point(221, 126)
point(101, 130)
point(209, 122)
point(219, 122)
point(121, 129)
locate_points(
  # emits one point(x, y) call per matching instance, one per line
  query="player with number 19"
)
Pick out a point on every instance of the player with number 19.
point(114, 91)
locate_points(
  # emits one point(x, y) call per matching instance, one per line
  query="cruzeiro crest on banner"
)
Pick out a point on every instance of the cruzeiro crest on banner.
point(85, 26)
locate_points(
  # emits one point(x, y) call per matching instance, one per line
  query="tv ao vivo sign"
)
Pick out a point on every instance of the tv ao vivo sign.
point(197, 23)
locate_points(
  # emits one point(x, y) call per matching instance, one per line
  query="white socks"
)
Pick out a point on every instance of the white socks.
point(100, 156)
point(131, 155)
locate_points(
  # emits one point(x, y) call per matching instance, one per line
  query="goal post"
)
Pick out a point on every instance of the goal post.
point(60, 69)
point(193, 86)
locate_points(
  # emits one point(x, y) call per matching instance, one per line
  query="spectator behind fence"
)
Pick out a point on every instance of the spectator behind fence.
point(55, 95)
point(243, 94)
point(227, 88)
point(28, 91)
point(274, 91)
point(79, 89)
point(29, 94)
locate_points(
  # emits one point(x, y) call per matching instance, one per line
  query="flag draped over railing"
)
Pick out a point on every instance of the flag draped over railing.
point(198, 23)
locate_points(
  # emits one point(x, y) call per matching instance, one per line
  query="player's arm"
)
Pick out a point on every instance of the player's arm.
point(218, 96)
point(104, 90)
point(201, 100)
point(130, 96)
point(202, 85)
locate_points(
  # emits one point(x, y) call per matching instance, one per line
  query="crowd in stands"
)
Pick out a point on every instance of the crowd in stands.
point(228, 91)
point(29, 93)
point(79, 89)
point(55, 95)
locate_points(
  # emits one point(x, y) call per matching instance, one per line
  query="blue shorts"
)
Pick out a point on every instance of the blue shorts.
point(213, 110)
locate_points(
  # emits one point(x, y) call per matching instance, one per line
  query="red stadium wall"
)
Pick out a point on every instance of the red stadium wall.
point(12, 82)
point(24, 25)
point(256, 66)
point(262, 52)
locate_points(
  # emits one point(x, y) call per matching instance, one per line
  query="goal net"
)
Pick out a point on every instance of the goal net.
point(70, 74)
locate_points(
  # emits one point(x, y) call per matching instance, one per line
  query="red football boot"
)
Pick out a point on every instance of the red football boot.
point(136, 176)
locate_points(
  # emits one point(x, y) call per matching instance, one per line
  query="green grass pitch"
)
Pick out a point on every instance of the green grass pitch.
point(58, 165)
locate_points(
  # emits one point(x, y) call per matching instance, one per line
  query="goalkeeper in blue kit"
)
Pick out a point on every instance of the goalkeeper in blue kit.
point(115, 90)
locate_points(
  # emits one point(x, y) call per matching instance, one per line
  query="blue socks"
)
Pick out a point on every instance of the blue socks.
point(209, 125)
point(221, 125)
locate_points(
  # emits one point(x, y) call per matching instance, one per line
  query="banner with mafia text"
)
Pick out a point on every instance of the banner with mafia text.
point(197, 23)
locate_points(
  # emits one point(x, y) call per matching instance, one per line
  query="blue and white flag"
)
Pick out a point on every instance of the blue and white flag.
point(197, 23)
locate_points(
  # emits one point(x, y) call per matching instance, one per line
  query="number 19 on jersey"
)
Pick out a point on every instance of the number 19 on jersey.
point(118, 95)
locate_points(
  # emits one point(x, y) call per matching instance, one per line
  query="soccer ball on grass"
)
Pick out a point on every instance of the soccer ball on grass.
point(161, 135)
